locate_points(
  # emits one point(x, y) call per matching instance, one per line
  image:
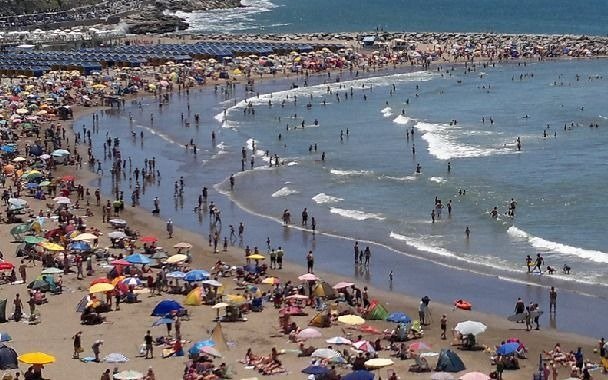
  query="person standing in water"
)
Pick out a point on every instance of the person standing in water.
point(356, 248)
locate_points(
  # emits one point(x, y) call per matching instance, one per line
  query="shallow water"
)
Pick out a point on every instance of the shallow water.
point(367, 188)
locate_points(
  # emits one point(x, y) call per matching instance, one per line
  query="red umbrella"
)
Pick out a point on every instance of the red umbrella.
point(148, 239)
point(100, 280)
point(68, 178)
point(6, 265)
point(122, 262)
point(369, 329)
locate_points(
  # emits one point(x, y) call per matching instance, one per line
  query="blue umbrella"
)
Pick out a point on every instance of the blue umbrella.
point(138, 258)
point(4, 337)
point(80, 246)
point(359, 375)
point(196, 275)
point(163, 321)
point(176, 274)
point(31, 185)
point(398, 317)
point(196, 347)
point(166, 307)
point(508, 348)
point(7, 148)
point(315, 370)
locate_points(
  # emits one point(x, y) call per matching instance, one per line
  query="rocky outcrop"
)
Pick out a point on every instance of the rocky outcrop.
point(154, 21)
point(196, 5)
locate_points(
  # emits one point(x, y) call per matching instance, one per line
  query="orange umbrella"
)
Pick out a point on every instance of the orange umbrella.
point(100, 280)
point(148, 239)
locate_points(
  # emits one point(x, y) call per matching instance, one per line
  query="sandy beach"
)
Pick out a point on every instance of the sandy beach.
point(124, 330)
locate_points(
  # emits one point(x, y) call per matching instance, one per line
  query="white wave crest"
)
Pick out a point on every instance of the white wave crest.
point(403, 120)
point(551, 246)
point(400, 179)
point(356, 214)
point(442, 140)
point(387, 112)
point(283, 192)
point(421, 245)
point(350, 172)
point(322, 198)
point(438, 179)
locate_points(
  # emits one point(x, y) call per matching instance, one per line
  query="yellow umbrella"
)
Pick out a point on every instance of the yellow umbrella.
point(52, 246)
point(177, 258)
point(116, 280)
point(99, 86)
point(256, 257)
point(351, 319)
point(271, 280)
point(101, 287)
point(86, 236)
point(36, 358)
point(378, 363)
point(235, 299)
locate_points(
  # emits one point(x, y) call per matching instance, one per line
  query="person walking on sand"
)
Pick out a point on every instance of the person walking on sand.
point(148, 340)
point(310, 262)
point(96, 349)
point(77, 345)
point(552, 299)
point(22, 271)
point(170, 228)
point(444, 326)
point(106, 375)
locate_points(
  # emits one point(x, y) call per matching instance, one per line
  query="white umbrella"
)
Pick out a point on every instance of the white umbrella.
point(220, 305)
point(338, 340)
point(325, 353)
point(128, 375)
point(117, 235)
point(86, 236)
point(442, 376)
point(134, 281)
point(213, 283)
point(62, 200)
point(470, 327)
point(51, 270)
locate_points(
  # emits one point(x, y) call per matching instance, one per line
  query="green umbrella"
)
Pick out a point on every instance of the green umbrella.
point(45, 183)
point(33, 239)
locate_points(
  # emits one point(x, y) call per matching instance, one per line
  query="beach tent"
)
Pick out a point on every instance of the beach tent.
point(320, 320)
point(8, 357)
point(448, 361)
point(195, 297)
point(3, 311)
point(376, 311)
point(323, 289)
point(166, 307)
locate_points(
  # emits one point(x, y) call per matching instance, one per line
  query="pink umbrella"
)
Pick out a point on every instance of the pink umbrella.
point(309, 333)
point(342, 285)
point(364, 345)
point(419, 346)
point(297, 297)
point(308, 277)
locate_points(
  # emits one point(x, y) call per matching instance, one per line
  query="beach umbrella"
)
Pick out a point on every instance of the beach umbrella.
point(176, 274)
point(220, 305)
point(132, 281)
point(177, 258)
point(62, 200)
point(442, 376)
point(315, 370)
point(419, 346)
point(359, 375)
point(196, 275)
point(34, 239)
point(212, 283)
point(128, 375)
point(256, 257)
point(325, 353)
point(309, 333)
point(51, 271)
point(338, 340)
point(117, 235)
point(474, 376)
point(41, 285)
point(342, 285)
point(5, 265)
point(36, 358)
point(378, 363)
point(211, 351)
point(138, 258)
point(166, 307)
point(80, 245)
point(182, 245)
point(45, 156)
point(508, 348)
point(365, 346)
point(235, 299)
point(4, 337)
point(159, 255)
point(52, 246)
point(198, 346)
point(351, 319)
point(18, 159)
point(297, 297)
point(308, 277)
point(121, 262)
point(271, 281)
point(148, 239)
point(115, 357)
point(398, 317)
point(102, 287)
point(470, 327)
point(100, 280)
point(162, 321)
point(85, 236)
point(118, 222)
point(17, 202)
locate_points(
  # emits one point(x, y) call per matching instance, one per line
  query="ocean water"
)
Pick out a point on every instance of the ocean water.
point(501, 16)
point(367, 188)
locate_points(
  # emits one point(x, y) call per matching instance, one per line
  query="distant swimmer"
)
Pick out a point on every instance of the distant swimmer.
point(414, 149)
point(418, 169)
point(525, 117)
point(316, 122)
point(494, 212)
point(467, 232)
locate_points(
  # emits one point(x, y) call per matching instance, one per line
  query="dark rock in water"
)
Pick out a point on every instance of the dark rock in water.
point(196, 5)
point(154, 22)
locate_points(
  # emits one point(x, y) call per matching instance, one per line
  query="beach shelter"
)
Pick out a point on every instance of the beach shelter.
point(196, 275)
point(398, 317)
point(217, 335)
point(195, 297)
point(166, 307)
point(448, 361)
point(8, 357)
point(3, 311)
point(376, 311)
point(323, 289)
